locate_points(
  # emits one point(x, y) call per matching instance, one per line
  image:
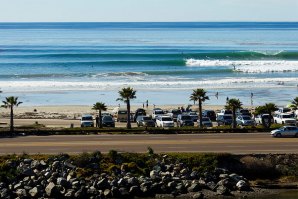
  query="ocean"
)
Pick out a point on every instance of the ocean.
point(82, 63)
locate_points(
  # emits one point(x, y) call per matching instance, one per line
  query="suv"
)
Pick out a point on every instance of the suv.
point(184, 120)
point(145, 121)
point(139, 112)
point(87, 121)
point(245, 120)
point(194, 115)
point(224, 120)
point(157, 112)
point(107, 121)
point(174, 114)
point(164, 121)
point(284, 118)
point(209, 113)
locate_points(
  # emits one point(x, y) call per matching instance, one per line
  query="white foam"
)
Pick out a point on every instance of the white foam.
point(39, 86)
point(258, 66)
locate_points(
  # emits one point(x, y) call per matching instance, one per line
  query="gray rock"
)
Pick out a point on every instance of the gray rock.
point(62, 181)
point(172, 184)
point(28, 172)
point(48, 174)
point(123, 192)
point(135, 191)
point(184, 171)
point(222, 190)
point(153, 174)
point(35, 164)
point(34, 192)
point(122, 182)
point(18, 186)
point(211, 185)
point(107, 193)
point(103, 184)
point(21, 193)
point(235, 177)
point(242, 185)
point(4, 193)
point(132, 181)
point(115, 192)
point(51, 190)
point(43, 163)
point(223, 176)
point(27, 161)
point(70, 193)
point(69, 165)
point(194, 175)
point(92, 191)
point(198, 196)
point(194, 188)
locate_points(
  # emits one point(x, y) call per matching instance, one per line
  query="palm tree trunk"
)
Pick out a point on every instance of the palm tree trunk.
point(234, 118)
point(269, 120)
point(128, 114)
point(200, 113)
point(100, 119)
point(11, 120)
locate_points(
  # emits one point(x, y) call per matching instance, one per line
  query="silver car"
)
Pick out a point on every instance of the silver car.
point(286, 131)
point(244, 120)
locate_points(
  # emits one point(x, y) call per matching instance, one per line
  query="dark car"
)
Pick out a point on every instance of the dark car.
point(224, 120)
point(139, 112)
point(107, 121)
point(145, 121)
point(209, 113)
point(194, 115)
point(244, 112)
point(184, 120)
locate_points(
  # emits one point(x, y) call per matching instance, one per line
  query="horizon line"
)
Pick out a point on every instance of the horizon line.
point(149, 22)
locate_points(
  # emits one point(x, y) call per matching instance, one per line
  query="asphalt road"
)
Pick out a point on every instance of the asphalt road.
point(231, 143)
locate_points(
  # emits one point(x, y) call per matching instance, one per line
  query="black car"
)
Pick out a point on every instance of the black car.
point(224, 120)
point(107, 121)
point(145, 121)
point(209, 113)
point(139, 112)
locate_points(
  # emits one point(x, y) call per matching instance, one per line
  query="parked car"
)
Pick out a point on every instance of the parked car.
point(244, 120)
point(206, 122)
point(224, 120)
point(184, 120)
point(108, 121)
point(139, 112)
point(120, 114)
point(283, 110)
point(265, 117)
point(286, 119)
point(286, 131)
point(194, 116)
point(145, 121)
point(87, 121)
point(157, 112)
point(209, 113)
point(174, 114)
point(164, 121)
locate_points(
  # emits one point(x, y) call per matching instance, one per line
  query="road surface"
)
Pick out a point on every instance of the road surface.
point(231, 143)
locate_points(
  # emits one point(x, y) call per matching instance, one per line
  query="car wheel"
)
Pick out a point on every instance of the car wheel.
point(296, 135)
point(278, 135)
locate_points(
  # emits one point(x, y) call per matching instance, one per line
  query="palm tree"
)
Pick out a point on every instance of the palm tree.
point(199, 95)
point(126, 94)
point(11, 102)
point(294, 104)
point(266, 109)
point(233, 104)
point(100, 107)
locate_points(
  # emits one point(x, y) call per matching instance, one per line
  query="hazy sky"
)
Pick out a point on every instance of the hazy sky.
point(148, 10)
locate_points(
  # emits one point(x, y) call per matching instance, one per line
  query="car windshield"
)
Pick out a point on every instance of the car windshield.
point(159, 112)
point(146, 118)
point(286, 110)
point(176, 111)
point(122, 112)
point(227, 117)
point(193, 113)
point(166, 119)
point(205, 119)
point(108, 119)
point(246, 118)
point(87, 118)
point(185, 117)
point(287, 116)
point(228, 112)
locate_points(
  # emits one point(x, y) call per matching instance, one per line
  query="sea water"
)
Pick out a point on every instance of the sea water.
point(81, 63)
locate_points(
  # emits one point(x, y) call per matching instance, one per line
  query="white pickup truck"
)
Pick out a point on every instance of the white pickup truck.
point(284, 118)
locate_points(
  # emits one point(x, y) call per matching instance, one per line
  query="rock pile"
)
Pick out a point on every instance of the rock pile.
point(58, 179)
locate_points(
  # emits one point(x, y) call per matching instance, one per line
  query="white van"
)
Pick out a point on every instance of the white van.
point(120, 114)
point(87, 121)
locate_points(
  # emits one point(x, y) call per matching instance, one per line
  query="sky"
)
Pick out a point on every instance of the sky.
point(147, 10)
